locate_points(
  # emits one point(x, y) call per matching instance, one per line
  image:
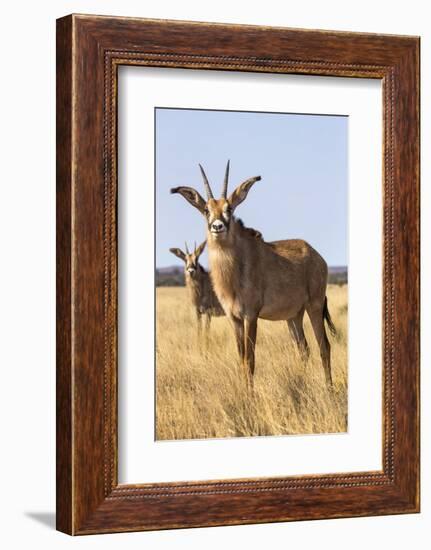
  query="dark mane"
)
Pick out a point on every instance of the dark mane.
point(249, 230)
point(201, 267)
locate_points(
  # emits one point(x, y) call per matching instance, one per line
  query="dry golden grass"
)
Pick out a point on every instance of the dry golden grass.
point(200, 390)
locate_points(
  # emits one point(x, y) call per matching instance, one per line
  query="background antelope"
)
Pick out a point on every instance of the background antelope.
point(254, 279)
point(198, 282)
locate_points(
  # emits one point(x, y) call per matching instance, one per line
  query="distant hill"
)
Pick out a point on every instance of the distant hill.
point(170, 276)
point(337, 275)
point(174, 275)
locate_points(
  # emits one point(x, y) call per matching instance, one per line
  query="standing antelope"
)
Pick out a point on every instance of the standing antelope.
point(254, 279)
point(198, 282)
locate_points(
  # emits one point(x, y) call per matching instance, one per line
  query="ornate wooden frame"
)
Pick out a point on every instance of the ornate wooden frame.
point(89, 51)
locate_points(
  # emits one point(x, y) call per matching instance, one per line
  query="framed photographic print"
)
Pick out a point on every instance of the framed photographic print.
point(237, 274)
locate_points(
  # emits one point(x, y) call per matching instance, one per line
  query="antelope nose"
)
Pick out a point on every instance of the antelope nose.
point(217, 226)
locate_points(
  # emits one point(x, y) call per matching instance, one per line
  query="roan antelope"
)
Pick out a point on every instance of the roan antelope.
point(254, 279)
point(198, 282)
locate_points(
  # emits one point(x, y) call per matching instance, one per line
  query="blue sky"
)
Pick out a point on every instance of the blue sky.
point(302, 160)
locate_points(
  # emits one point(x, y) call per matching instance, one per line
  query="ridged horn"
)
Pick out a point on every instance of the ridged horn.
point(206, 183)
point(226, 181)
point(187, 249)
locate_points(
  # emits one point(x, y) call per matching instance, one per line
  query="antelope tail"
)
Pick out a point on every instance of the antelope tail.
point(328, 319)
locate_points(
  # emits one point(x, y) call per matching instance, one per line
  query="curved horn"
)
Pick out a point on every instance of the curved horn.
point(187, 250)
point(206, 183)
point(226, 180)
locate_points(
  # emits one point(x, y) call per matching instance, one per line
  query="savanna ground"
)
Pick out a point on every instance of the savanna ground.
point(201, 393)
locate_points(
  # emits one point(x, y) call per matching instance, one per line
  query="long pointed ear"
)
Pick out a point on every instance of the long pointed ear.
point(241, 192)
point(192, 196)
point(200, 249)
point(178, 253)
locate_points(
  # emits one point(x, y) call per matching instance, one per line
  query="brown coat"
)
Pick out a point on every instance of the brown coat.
point(251, 278)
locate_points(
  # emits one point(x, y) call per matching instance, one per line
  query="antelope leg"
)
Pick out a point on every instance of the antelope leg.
point(239, 336)
point(250, 332)
point(296, 329)
point(317, 322)
point(199, 325)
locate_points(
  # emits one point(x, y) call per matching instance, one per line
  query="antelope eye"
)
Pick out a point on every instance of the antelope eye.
point(206, 210)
